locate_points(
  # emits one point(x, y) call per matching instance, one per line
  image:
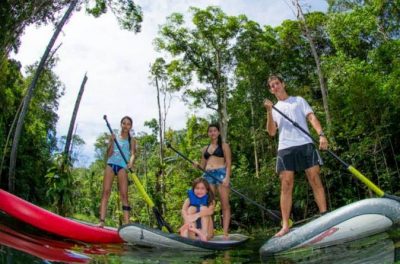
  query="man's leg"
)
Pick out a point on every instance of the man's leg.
point(287, 181)
point(318, 189)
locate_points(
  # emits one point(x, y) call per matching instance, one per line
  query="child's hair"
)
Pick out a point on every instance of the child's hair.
point(129, 134)
point(208, 188)
point(219, 136)
point(274, 77)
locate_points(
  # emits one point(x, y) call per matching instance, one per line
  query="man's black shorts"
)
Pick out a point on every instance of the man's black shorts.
point(298, 158)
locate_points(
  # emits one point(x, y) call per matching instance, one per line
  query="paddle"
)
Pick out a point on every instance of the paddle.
point(274, 215)
point(160, 220)
point(350, 168)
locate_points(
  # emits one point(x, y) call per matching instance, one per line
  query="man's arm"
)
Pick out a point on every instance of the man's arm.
point(323, 141)
point(271, 125)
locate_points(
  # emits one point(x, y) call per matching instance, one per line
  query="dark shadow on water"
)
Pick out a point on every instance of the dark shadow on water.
point(21, 243)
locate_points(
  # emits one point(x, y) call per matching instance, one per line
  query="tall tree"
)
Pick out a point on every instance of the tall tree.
point(207, 51)
point(321, 78)
point(16, 15)
point(160, 80)
point(73, 118)
point(27, 99)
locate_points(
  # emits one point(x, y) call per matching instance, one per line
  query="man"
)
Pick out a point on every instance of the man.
point(296, 150)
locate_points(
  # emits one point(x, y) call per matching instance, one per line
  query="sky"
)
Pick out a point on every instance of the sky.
point(117, 63)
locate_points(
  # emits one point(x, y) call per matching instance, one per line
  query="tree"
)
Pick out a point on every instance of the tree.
point(160, 80)
point(16, 15)
point(27, 99)
point(207, 51)
point(73, 118)
point(324, 90)
point(39, 140)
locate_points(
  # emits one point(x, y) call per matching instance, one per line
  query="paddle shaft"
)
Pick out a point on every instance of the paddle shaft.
point(160, 220)
point(350, 168)
point(274, 216)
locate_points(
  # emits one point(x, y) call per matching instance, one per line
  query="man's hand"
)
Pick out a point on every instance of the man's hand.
point(323, 143)
point(268, 104)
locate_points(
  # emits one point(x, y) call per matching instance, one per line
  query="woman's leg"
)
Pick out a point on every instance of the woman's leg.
point(123, 191)
point(226, 208)
point(107, 183)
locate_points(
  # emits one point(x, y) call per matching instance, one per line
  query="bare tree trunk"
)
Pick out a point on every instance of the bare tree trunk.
point(73, 118)
point(166, 106)
point(224, 117)
point(385, 162)
point(222, 100)
point(321, 78)
point(8, 138)
point(394, 158)
point(161, 135)
point(254, 140)
point(28, 97)
point(15, 120)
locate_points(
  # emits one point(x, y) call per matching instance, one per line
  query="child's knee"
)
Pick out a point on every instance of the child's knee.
point(192, 210)
point(203, 208)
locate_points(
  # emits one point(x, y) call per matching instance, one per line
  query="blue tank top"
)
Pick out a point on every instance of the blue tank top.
point(197, 201)
point(116, 157)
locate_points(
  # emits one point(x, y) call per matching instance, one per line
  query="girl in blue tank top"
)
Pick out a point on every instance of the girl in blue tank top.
point(116, 166)
point(198, 207)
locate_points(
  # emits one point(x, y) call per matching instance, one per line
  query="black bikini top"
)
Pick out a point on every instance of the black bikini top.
point(218, 152)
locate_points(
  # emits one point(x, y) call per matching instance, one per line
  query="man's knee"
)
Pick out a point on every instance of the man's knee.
point(286, 185)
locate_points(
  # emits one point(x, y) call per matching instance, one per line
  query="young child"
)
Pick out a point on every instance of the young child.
point(197, 211)
point(116, 165)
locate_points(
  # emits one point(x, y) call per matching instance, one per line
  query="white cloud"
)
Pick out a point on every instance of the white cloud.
point(118, 61)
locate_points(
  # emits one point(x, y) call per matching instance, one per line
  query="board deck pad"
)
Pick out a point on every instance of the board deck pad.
point(142, 235)
point(353, 221)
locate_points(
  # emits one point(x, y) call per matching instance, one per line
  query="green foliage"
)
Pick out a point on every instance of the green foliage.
point(16, 15)
point(361, 63)
point(128, 14)
point(38, 139)
point(358, 42)
point(60, 186)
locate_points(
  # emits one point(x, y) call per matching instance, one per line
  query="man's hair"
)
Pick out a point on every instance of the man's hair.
point(274, 77)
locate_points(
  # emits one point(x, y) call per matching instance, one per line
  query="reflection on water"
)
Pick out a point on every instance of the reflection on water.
point(20, 243)
point(379, 248)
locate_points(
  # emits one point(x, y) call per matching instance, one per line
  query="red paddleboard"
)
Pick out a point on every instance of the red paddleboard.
point(55, 224)
point(36, 248)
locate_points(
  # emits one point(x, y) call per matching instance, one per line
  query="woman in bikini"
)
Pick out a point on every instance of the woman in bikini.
point(216, 161)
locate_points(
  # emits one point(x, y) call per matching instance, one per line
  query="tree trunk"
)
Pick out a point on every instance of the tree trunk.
point(160, 180)
point(394, 158)
point(222, 100)
point(253, 131)
point(224, 117)
point(15, 120)
point(8, 138)
point(321, 78)
point(73, 118)
point(28, 97)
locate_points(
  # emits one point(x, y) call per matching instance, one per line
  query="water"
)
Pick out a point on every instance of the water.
point(29, 245)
